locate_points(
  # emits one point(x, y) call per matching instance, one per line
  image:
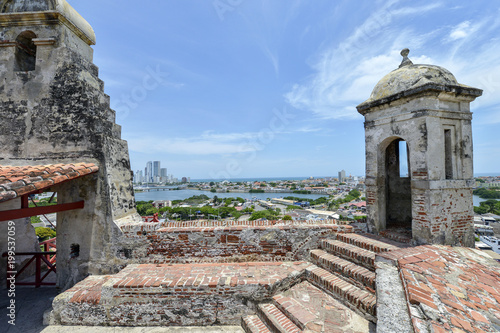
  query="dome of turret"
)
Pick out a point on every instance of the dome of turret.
point(409, 76)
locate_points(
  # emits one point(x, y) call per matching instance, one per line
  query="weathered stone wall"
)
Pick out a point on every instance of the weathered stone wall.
point(225, 244)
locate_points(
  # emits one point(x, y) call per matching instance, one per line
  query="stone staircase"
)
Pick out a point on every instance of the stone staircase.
point(341, 284)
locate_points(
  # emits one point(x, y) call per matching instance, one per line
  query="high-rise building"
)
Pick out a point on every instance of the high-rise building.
point(149, 172)
point(341, 176)
point(156, 169)
point(163, 175)
point(138, 177)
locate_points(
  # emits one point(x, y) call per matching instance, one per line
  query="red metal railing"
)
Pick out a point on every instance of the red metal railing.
point(153, 218)
point(48, 256)
point(50, 246)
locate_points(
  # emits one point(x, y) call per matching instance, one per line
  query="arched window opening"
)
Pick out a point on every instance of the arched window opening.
point(25, 52)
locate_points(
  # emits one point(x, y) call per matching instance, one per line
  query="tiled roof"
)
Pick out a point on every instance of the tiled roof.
point(16, 181)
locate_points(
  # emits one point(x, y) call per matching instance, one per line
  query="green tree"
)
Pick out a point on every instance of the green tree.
point(480, 209)
point(142, 208)
point(354, 193)
point(45, 233)
point(267, 214)
point(150, 211)
point(287, 218)
point(36, 219)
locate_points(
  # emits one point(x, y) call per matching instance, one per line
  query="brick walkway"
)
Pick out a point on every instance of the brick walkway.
point(457, 289)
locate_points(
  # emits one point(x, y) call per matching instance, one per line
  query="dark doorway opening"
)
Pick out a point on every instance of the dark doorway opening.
point(398, 186)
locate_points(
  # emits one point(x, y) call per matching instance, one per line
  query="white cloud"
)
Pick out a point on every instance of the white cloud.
point(461, 31)
point(210, 142)
point(186, 146)
point(345, 74)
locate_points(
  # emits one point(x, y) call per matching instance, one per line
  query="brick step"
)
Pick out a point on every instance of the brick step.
point(367, 242)
point(350, 252)
point(253, 324)
point(356, 298)
point(314, 310)
point(276, 320)
point(359, 275)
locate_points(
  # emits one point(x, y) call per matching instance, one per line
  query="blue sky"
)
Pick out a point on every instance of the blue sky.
point(256, 88)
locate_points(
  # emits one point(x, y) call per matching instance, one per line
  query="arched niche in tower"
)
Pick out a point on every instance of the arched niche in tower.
point(25, 52)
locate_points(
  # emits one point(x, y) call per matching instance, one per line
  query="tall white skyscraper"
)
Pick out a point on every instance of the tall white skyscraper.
point(149, 172)
point(341, 176)
point(156, 169)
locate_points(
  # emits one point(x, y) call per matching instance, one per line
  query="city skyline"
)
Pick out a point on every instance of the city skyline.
point(269, 89)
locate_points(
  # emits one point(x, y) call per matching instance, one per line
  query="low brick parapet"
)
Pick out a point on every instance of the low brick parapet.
point(236, 243)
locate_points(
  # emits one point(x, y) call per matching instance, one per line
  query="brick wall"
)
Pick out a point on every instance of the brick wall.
point(235, 243)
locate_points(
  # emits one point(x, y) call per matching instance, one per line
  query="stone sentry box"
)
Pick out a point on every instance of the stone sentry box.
point(419, 171)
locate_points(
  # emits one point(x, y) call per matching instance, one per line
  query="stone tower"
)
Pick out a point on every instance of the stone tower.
point(419, 172)
point(53, 110)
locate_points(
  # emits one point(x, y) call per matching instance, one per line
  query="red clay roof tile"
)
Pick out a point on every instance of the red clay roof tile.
point(18, 181)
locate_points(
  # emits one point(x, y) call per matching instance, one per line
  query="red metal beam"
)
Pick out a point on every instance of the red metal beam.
point(8, 215)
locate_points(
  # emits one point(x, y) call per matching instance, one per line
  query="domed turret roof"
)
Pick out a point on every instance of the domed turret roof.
point(410, 79)
point(409, 76)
